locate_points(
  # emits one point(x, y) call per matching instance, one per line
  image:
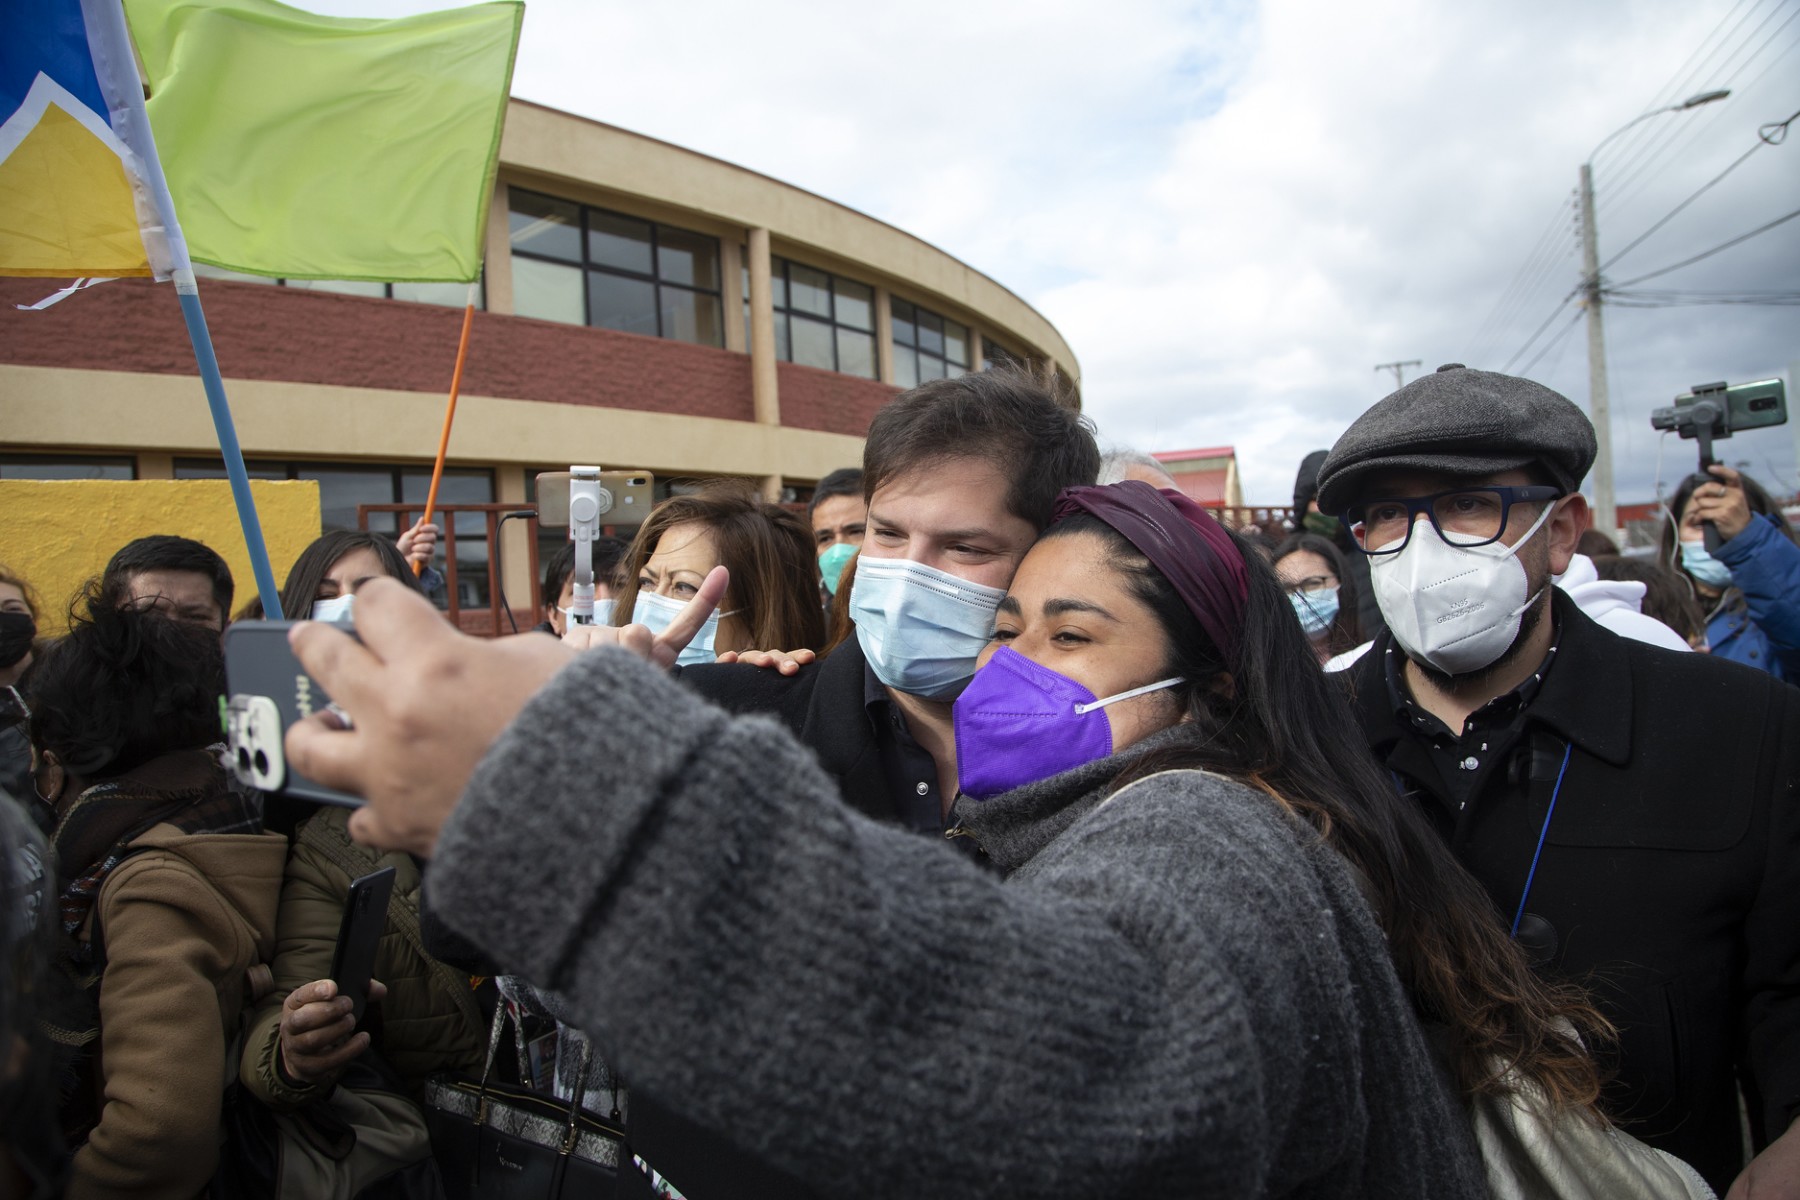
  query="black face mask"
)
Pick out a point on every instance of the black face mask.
point(17, 632)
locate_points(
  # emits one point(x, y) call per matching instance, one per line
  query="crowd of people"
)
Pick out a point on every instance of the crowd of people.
point(1002, 825)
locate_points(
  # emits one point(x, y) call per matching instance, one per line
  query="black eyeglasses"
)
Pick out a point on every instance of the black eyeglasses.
point(1466, 517)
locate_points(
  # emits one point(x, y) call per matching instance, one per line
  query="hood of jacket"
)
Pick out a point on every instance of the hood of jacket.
point(1596, 596)
point(244, 868)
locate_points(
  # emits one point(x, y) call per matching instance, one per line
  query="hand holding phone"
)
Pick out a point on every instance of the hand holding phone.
point(359, 934)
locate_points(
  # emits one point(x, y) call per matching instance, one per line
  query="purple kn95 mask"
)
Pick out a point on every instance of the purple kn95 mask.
point(1018, 722)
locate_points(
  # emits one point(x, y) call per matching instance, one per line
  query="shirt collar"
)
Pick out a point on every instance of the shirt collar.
point(1501, 710)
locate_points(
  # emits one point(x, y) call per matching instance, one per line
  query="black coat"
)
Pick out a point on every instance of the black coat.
point(1670, 871)
point(824, 706)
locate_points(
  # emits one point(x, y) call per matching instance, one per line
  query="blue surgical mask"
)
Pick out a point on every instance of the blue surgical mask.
point(337, 608)
point(1703, 566)
point(657, 613)
point(832, 561)
point(921, 628)
point(1316, 609)
point(602, 613)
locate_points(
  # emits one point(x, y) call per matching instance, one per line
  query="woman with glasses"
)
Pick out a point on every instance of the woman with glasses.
point(1319, 585)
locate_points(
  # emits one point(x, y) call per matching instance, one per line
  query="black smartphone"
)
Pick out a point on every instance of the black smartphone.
point(268, 690)
point(359, 933)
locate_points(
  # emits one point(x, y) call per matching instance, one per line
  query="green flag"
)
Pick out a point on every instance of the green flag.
point(329, 147)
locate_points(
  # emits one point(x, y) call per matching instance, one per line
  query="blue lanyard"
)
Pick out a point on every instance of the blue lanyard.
point(1542, 834)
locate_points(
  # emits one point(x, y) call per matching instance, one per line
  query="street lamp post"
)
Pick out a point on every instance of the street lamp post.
point(1599, 404)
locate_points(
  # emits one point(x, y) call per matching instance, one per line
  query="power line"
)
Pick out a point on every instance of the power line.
point(1548, 346)
point(1766, 136)
point(1672, 299)
point(1517, 354)
point(1627, 182)
point(1515, 293)
point(1647, 142)
point(1688, 262)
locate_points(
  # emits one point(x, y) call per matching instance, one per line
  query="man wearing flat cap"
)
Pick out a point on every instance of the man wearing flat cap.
point(1634, 812)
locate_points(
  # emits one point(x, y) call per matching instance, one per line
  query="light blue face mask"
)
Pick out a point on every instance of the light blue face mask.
point(657, 613)
point(1703, 566)
point(1316, 609)
point(921, 628)
point(337, 608)
point(832, 561)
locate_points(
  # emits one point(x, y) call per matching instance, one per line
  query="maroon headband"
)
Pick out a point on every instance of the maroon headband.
point(1184, 542)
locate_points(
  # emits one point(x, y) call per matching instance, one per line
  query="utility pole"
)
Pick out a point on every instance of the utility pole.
point(1606, 517)
point(1399, 370)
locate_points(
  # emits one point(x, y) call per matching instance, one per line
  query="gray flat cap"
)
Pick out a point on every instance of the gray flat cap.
point(1456, 421)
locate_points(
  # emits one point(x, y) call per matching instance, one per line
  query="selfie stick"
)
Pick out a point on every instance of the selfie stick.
point(1708, 413)
point(587, 500)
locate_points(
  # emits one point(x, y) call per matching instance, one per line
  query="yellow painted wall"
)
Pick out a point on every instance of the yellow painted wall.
point(58, 535)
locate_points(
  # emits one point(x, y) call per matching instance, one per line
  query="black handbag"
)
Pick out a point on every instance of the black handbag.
point(496, 1141)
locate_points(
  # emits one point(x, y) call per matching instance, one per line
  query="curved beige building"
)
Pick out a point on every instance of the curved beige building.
point(643, 306)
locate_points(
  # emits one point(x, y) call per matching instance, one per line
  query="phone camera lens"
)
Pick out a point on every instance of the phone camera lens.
point(243, 759)
point(262, 763)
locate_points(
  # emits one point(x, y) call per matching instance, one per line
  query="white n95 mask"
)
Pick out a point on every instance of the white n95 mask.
point(921, 628)
point(1455, 608)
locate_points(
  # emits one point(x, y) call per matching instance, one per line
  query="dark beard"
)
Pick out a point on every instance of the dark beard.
point(1528, 621)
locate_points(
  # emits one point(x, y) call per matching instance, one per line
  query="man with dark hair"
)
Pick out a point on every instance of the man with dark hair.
point(184, 578)
point(1631, 810)
point(961, 476)
point(838, 511)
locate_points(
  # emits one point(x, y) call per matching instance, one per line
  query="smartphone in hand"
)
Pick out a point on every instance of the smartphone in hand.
point(359, 933)
point(270, 691)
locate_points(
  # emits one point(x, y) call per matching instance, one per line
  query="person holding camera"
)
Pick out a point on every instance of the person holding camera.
point(1749, 589)
point(1630, 810)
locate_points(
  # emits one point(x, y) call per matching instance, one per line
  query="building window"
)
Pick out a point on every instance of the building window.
point(345, 486)
point(588, 266)
point(993, 354)
point(60, 466)
point(450, 295)
point(927, 346)
point(821, 320)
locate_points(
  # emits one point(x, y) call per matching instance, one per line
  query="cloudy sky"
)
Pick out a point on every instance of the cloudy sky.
point(1234, 210)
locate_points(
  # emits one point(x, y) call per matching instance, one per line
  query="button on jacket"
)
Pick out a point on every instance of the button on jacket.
point(1669, 878)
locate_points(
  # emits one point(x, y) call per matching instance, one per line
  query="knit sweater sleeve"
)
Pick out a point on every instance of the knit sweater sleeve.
point(850, 1001)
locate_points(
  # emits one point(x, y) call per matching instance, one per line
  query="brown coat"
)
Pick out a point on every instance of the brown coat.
point(182, 919)
point(429, 1020)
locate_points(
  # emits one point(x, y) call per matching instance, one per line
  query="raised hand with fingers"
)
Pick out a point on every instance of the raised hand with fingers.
point(663, 648)
point(426, 702)
point(419, 542)
point(1722, 502)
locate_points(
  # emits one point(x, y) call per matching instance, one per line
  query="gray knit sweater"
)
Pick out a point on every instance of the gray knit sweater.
point(1176, 993)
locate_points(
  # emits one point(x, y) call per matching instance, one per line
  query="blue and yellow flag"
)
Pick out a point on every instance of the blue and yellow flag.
point(81, 191)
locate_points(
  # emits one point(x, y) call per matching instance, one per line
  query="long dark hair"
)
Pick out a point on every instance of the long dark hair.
point(1274, 721)
point(1344, 632)
point(767, 549)
point(308, 571)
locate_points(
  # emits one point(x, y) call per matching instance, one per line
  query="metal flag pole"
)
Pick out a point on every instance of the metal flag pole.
point(189, 294)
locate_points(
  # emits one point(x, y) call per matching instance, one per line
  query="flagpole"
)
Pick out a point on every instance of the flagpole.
point(437, 470)
point(188, 292)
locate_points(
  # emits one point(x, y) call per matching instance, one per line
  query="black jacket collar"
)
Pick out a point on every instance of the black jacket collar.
point(1585, 700)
